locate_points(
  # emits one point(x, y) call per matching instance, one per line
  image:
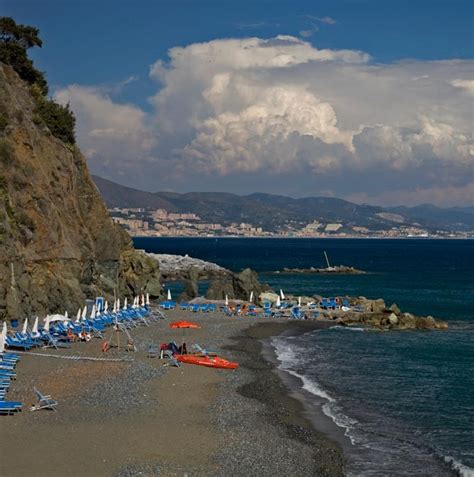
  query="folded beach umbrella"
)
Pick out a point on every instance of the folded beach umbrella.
point(147, 298)
point(84, 313)
point(169, 294)
point(226, 300)
point(66, 315)
point(46, 325)
point(282, 295)
point(118, 304)
point(278, 303)
point(25, 326)
point(125, 303)
point(299, 301)
point(78, 316)
point(4, 329)
point(114, 309)
point(106, 306)
point(93, 312)
point(2, 343)
point(35, 326)
point(143, 301)
point(251, 296)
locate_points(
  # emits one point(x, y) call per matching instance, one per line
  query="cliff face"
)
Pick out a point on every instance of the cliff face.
point(58, 244)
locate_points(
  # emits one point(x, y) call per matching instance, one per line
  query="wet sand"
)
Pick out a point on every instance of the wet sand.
point(142, 418)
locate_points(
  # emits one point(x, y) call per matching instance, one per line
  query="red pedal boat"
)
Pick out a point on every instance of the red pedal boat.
point(209, 361)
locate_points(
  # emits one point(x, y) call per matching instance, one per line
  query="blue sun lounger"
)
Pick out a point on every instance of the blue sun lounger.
point(9, 407)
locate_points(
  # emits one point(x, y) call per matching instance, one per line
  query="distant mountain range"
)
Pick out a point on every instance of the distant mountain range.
point(272, 211)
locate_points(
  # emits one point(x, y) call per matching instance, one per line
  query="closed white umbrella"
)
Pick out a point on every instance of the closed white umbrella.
point(147, 298)
point(278, 303)
point(226, 300)
point(143, 301)
point(125, 303)
point(35, 326)
point(169, 294)
point(282, 295)
point(46, 325)
point(251, 296)
point(106, 306)
point(118, 304)
point(299, 301)
point(114, 309)
point(78, 316)
point(93, 312)
point(84, 313)
point(4, 329)
point(25, 326)
point(2, 343)
point(66, 315)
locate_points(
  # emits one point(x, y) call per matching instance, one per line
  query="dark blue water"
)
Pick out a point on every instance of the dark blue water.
point(405, 399)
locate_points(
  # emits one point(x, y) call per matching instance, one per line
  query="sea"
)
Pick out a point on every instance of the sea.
point(402, 400)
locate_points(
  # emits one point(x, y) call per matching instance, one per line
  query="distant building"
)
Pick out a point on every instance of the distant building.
point(332, 227)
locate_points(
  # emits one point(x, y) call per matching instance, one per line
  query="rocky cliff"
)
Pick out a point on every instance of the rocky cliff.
point(58, 244)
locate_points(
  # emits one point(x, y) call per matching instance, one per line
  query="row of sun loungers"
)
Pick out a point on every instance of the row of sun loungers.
point(284, 309)
point(8, 363)
point(59, 334)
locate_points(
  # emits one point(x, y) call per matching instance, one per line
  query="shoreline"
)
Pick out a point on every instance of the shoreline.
point(271, 387)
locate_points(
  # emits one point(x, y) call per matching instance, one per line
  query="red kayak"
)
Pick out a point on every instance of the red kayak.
point(210, 362)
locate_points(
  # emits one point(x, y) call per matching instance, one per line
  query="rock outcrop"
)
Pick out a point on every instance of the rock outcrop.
point(58, 244)
point(236, 286)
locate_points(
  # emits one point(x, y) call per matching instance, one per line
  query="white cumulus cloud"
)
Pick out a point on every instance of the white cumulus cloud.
point(281, 106)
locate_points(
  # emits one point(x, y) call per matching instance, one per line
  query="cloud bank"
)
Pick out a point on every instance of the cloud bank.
point(279, 107)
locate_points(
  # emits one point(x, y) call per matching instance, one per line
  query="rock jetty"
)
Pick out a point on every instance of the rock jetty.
point(177, 267)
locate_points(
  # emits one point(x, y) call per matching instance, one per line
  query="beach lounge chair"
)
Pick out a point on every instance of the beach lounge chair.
point(44, 402)
point(9, 407)
point(153, 350)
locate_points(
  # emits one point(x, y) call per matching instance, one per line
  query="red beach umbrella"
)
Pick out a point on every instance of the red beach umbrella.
point(184, 325)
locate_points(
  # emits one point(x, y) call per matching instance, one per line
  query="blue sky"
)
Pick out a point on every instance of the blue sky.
point(110, 46)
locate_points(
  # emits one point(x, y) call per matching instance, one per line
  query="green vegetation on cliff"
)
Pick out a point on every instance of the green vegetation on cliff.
point(15, 40)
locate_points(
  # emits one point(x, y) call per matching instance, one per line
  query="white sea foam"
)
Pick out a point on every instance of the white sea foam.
point(341, 420)
point(464, 470)
point(348, 328)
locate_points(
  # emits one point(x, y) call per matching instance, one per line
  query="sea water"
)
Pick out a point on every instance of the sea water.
point(404, 400)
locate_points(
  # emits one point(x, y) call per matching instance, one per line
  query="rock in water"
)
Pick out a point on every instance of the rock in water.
point(58, 244)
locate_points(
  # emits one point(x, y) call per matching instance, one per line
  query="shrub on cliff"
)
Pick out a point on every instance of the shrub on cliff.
point(59, 119)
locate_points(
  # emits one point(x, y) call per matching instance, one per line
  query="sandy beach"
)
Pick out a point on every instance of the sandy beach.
point(142, 418)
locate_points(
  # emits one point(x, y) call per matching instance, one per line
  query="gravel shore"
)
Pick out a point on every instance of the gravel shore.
point(141, 418)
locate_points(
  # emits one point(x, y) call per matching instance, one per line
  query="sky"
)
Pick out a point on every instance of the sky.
point(367, 100)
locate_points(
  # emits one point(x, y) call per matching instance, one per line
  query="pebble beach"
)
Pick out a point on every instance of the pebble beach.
point(142, 418)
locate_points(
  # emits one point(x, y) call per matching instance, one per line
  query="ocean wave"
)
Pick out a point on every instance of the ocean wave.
point(461, 469)
point(349, 328)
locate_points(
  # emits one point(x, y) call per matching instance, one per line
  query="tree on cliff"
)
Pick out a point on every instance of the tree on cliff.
point(15, 40)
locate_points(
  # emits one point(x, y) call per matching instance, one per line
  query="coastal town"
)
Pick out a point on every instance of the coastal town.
point(144, 222)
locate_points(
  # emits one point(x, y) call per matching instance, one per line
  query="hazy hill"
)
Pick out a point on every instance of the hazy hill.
point(271, 211)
